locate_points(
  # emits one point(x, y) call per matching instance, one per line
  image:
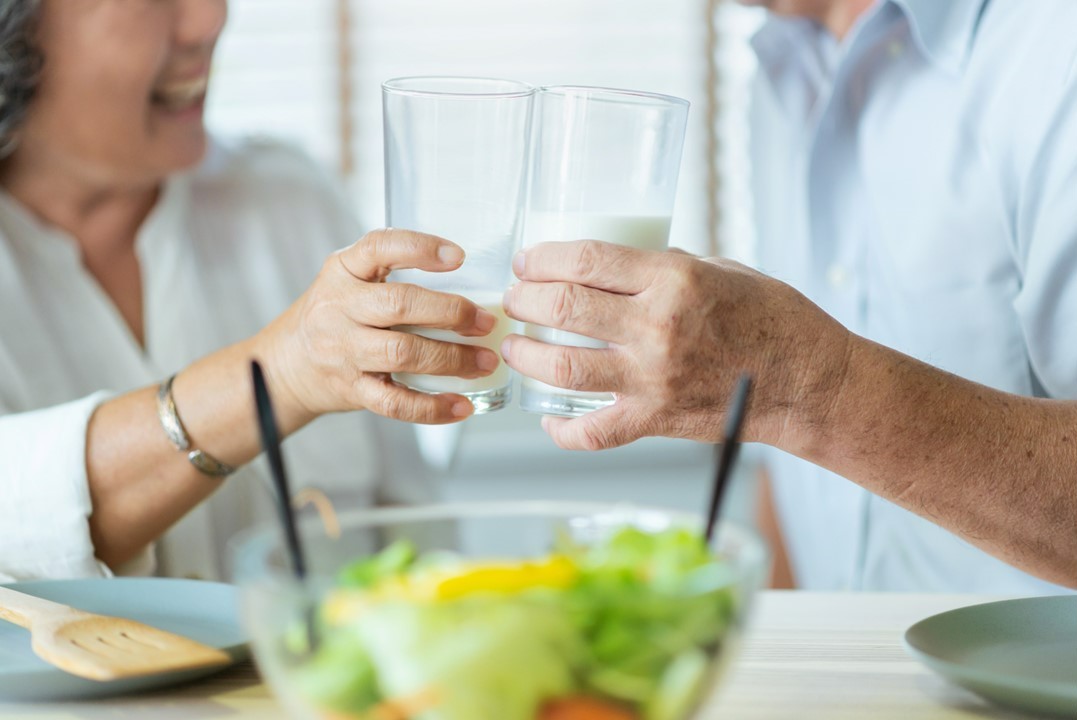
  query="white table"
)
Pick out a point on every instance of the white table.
point(809, 656)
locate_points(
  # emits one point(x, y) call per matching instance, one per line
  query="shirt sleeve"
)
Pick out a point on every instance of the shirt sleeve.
point(44, 493)
point(1046, 303)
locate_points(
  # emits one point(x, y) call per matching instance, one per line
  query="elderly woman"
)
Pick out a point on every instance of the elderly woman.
point(142, 266)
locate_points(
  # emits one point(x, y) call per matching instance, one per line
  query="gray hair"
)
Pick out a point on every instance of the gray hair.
point(20, 64)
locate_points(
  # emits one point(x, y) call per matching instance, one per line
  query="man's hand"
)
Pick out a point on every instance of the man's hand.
point(680, 330)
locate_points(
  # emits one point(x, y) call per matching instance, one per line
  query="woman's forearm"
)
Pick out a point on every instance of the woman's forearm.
point(140, 485)
point(330, 351)
point(1000, 470)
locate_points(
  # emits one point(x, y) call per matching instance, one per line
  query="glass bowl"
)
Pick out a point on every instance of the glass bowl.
point(511, 611)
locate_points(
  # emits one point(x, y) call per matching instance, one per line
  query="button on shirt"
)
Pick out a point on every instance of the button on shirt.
point(919, 182)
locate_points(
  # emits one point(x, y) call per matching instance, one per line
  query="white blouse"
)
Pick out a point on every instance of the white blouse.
point(228, 247)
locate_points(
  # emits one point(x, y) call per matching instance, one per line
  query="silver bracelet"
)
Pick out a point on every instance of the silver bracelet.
point(177, 434)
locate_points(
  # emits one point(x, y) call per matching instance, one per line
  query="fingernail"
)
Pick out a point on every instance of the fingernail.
point(450, 255)
point(462, 409)
point(518, 263)
point(485, 321)
point(506, 347)
point(488, 360)
point(506, 299)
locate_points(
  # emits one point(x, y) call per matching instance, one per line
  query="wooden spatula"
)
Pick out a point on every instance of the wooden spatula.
point(100, 647)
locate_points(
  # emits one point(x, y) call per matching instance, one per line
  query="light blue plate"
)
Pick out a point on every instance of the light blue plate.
point(1020, 654)
point(203, 611)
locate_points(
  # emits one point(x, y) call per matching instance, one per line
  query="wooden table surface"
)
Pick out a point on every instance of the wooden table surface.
point(808, 656)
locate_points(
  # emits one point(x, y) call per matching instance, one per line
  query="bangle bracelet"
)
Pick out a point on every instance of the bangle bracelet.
point(177, 434)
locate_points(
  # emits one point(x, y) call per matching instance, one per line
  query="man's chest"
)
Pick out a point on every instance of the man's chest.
point(883, 208)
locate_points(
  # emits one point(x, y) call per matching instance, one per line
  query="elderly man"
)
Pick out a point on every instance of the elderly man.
point(916, 331)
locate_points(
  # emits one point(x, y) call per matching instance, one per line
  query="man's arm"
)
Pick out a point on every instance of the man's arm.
point(997, 469)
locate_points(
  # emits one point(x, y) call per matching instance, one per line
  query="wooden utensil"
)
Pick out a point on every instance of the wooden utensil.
point(100, 647)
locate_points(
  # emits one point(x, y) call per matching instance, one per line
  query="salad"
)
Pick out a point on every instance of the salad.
point(628, 628)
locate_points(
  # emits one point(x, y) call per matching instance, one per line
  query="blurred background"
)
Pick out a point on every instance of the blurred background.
point(310, 71)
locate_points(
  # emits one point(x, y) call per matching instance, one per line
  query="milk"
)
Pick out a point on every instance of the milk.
point(498, 379)
point(643, 232)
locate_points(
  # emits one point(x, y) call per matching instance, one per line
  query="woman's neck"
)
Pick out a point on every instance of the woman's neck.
point(102, 216)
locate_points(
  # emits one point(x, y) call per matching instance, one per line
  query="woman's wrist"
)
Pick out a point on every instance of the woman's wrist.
point(282, 379)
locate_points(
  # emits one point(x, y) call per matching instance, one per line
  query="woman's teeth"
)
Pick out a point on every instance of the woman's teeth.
point(180, 95)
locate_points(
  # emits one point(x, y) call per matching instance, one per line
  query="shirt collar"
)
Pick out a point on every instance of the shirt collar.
point(797, 57)
point(943, 29)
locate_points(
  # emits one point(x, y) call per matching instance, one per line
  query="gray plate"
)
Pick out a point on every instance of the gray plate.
point(1020, 654)
point(203, 611)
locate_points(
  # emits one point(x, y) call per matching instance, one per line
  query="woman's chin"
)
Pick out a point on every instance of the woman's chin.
point(183, 153)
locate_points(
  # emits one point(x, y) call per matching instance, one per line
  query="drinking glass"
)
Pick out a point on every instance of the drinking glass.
point(605, 166)
point(456, 165)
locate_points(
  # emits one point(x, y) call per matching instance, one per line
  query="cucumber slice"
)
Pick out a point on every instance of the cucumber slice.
point(680, 687)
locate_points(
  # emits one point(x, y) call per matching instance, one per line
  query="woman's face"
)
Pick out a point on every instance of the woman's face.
point(123, 87)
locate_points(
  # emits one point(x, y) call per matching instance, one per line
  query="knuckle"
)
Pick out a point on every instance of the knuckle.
point(398, 301)
point(450, 359)
point(566, 371)
point(426, 410)
point(682, 272)
point(400, 351)
point(392, 404)
point(587, 258)
point(591, 437)
point(461, 311)
point(565, 297)
point(405, 241)
point(464, 359)
point(371, 245)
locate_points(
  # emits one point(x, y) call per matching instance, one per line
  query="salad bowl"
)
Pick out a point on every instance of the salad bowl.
point(500, 611)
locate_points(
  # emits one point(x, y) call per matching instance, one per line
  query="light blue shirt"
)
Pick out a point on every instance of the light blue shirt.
point(919, 182)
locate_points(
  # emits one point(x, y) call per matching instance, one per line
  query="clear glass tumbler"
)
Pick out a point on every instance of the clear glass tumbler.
point(605, 166)
point(456, 165)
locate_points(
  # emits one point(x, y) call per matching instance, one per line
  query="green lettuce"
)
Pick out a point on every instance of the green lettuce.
point(639, 625)
point(396, 559)
point(644, 600)
point(481, 657)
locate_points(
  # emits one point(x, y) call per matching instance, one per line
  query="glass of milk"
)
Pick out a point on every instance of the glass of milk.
point(456, 165)
point(604, 167)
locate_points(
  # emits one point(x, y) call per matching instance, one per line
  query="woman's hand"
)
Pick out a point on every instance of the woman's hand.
point(333, 349)
point(681, 330)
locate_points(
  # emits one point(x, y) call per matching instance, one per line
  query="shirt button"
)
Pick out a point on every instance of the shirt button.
point(895, 48)
point(837, 277)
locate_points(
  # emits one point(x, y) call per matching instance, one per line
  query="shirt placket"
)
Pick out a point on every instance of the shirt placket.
point(840, 223)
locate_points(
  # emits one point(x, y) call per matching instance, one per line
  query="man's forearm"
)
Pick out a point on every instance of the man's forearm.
point(1000, 470)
